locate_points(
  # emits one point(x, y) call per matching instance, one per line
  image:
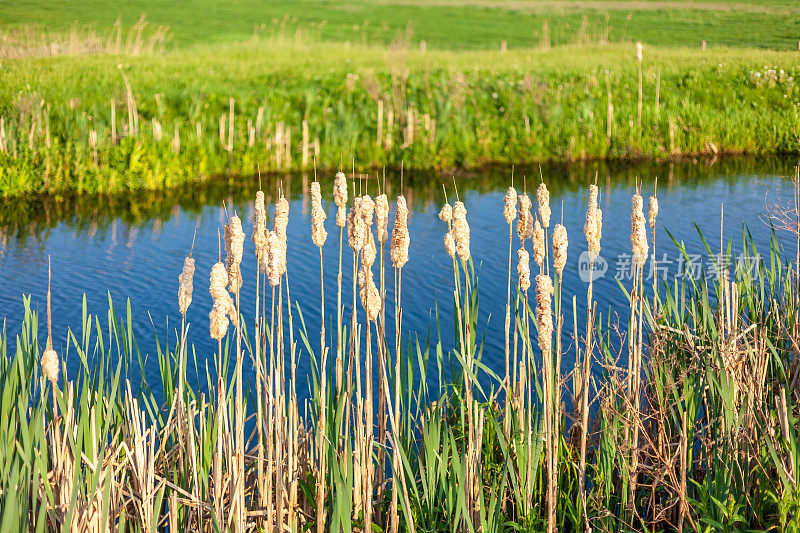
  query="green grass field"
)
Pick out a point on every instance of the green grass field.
point(468, 102)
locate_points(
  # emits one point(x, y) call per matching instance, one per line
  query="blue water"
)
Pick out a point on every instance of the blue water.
point(134, 247)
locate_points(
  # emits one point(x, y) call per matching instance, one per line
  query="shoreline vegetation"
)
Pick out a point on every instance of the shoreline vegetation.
point(682, 416)
point(113, 123)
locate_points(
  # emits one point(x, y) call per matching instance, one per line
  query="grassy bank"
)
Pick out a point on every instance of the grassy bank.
point(296, 101)
point(682, 414)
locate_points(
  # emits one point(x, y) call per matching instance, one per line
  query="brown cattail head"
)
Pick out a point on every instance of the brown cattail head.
point(281, 220)
point(638, 232)
point(356, 232)
point(368, 251)
point(446, 213)
point(525, 220)
point(368, 293)
point(382, 217)
point(340, 189)
point(260, 227)
point(185, 285)
point(450, 244)
point(510, 205)
point(653, 212)
point(218, 320)
point(538, 244)
point(318, 216)
point(400, 237)
point(461, 230)
point(50, 364)
point(234, 246)
point(560, 245)
point(543, 197)
point(524, 269)
point(593, 223)
point(544, 312)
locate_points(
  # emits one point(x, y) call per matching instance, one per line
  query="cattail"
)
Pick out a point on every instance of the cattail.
point(318, 216)
point(524, 269)
point(538, 244)
point(234, 246)
point(340, 198)
point(544, 312)
point(367, 210)
point(560, 244)
point(218, 319)
point(593, 223)
point(543, 197)
point(525, 220)
point(276, 258)
point(639, 48)
point(260, 228)
point(446, 213)
point(400, 236)
point(510, 207)
point(369, 294)
point(281, 220)
point(368, 251)
point(461, 230)
point(450, 244)
point(355, 226)
point(638, 232)
point(50, 365)
point(382, 217)
point(599, 225)
point(222, 299)
point(653, 212)
point(185, 285)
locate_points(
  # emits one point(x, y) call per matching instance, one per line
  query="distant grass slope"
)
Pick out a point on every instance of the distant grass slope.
point(445, 24)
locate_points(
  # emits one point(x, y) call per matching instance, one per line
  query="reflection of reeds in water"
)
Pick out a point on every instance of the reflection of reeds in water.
point(459, 461)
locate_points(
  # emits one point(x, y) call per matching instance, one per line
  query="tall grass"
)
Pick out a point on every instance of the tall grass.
point(688, 420)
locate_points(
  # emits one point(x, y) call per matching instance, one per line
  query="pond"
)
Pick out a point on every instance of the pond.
point(133, 246)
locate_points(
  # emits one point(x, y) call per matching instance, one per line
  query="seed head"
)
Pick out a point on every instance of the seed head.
point(446, 213)
point(510, 205)
point(400, 237)
point(543, 197)
point(593, 223)
point(450, 244)
point(318, 216)
point(276, 262)
point(525, 220)
point(281, 220)
point(185, 285)
point(218, 321)
point(638, 232)
point(234, 246)
point(260, 226)
point(524, 269)
point(340, 189)
point(653, 212)
point(461, 230)
point(368, 251)
point(368, 293)
point(356, 232)
point(50, 365)
point(560, 244)
point(538, 244)
point(544, 312)
point(639, 48)
point(382, 217)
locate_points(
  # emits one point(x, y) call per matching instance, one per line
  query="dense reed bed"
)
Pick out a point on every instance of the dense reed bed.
point(155, 122)
point(681, 414)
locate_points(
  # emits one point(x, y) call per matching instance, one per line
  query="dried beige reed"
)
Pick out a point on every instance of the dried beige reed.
point(382, 217)
point(185, 285)
point(525, 220)
point(560, 245)
point(461, 231)
point(638, 233)
point(543, 198)
point(400, 237)
point(318, 216)
point(524, 269)
point(538, 244)
point(340, 198)
point(510, 205)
